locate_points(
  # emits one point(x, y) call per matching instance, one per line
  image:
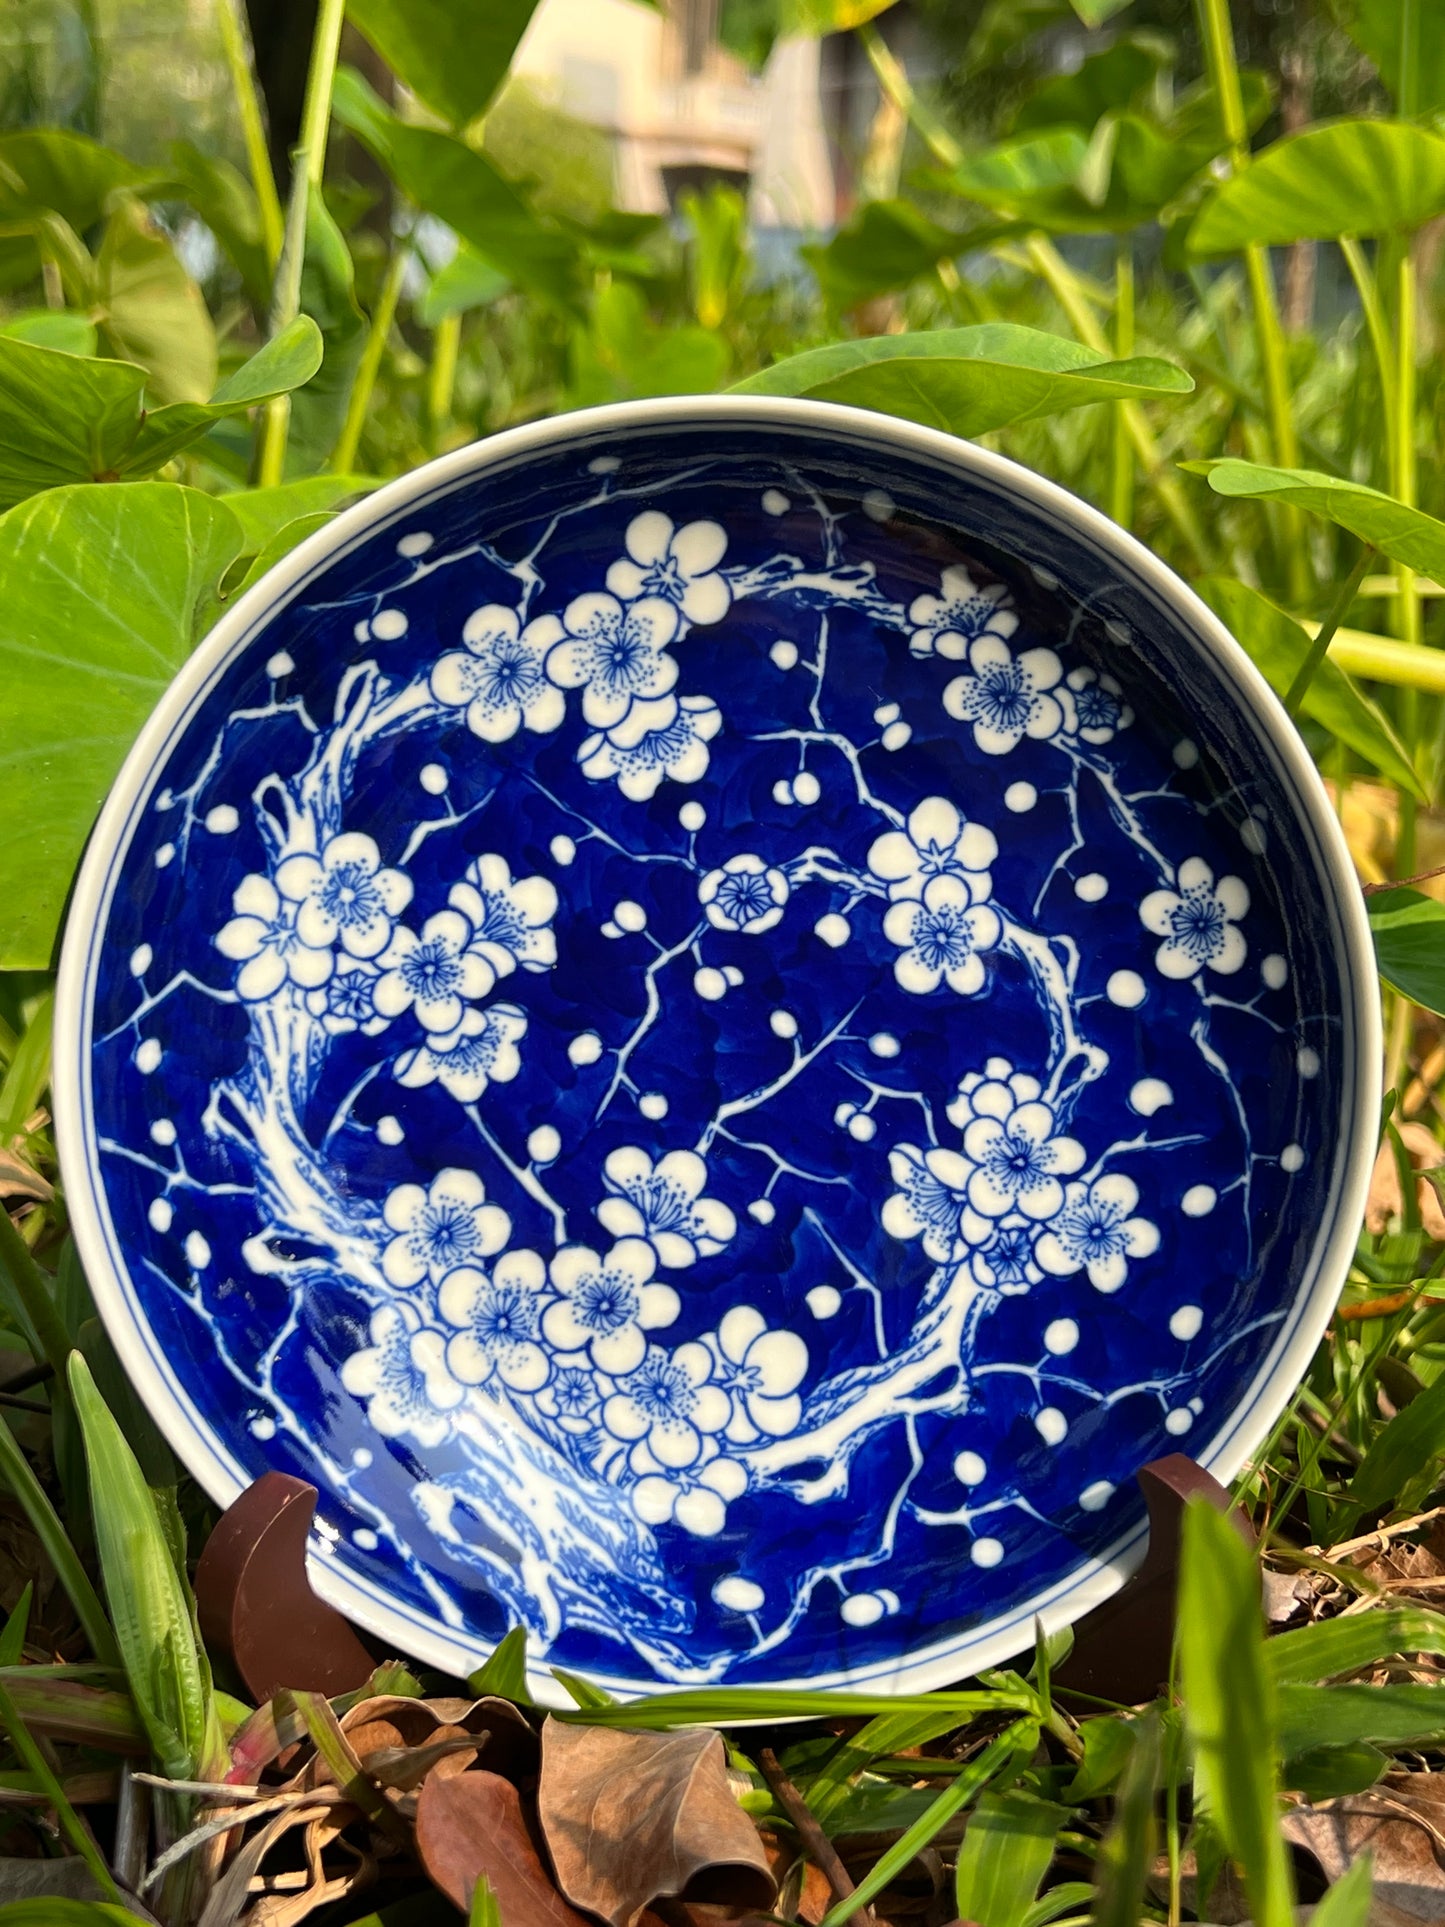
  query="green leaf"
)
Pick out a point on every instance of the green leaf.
point(226, 202)
point(966, 380)
point(52, 169)
point(1093, 13)
point(1407, 535)
point(1005, 1854)
point(63, 329)
point(1278, 645)
point(1108, 1744)
point(1230, 1705)
point(264, 512)
point(1121, 76)
point(1390, 1716)
point(28, 1072)
point(1327, 1772)
point(150, 310)
point(889, 244)
point(328, 297)
point(466, 282)
point(103, 585)
point(53, 1911)
point(24, 1486)
point(828, 1788)
point(452, 53)
point(1069, 1897)
point(817, 17)
point(280, 545)
point(1409, 932)
point(1345, 177)
point(627, 355)
point(482, 1909)
point(1347, 1904)
point(1014, 173)
point(505, 1672)
point(1127, 1852)
point(1374, 26)
point(12, 1634)
point(721, 1705)
point(287, 361)
point(1406, 1452)
point(1347, 1645)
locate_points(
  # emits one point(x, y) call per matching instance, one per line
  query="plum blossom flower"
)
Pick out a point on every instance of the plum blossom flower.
point(938, 843)
point(501, 677)
point(614, 653)
point(403, 1377)
point(1098, 704)
point(695, 1497)
point(1019, 1162)
point(942, 937)
point(570, 1396)
point(482, 1050)
point(344, 893)
point(745, 894)
point(1096, 1231)
point(945, 624)
point(761, 1371)
point(1007, 697)
point(992, 1092)
point(497, 1321)
point(931, 1201)
point(347, 1000)
point(607, 1304)
point(669, 1404)
point(680, 565)
point(1197, 921)
point(664, 1204)
point(262, 937)
point(448, 1225)
point(667, 737)
point(432, 973)
point(511, 918)
point(1009, 1262)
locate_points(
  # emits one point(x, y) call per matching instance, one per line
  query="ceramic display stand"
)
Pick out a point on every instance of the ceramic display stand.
point(256, 1602)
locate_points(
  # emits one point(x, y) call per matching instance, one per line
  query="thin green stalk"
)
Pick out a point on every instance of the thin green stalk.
point(1376, 326)
point(442, 378)
point(382, 316)
point(253, 129)
point(1403, 488)
point(16, 1471)
point(1325, 634)
point(891, 77)
point(1121, 469)
point(35, 1762)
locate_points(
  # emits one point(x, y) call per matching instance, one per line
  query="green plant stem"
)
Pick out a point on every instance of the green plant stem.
point(1376, 326)
point(889, 72)
point(1121, 475)
point(253, 130)
point(1325, 634)
point(442, 377)
point(1403, 488)
point(35, 1762)
point(17, 1473)
point(382, 316)
point(308, 165)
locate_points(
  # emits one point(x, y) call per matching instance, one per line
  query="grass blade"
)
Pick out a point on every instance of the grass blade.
point(12, 1634)
point(36, 1764)
point(1005, 1854)
point(16, 1470)
point(505, 1673)
point(1128, 1850)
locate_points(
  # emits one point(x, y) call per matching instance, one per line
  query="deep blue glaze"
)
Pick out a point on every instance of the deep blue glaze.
point(950, 1432)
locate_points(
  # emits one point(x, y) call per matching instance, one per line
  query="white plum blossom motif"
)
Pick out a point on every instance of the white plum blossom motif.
point(511, 918)
point(942, 936)
point(998, 1087)
point(438, 1230)
point(1019, 1160)
point(1009, 1262)
point(745, 894)
point(402, 1375)
point(262, 937)
point(931, 1202)
point(667, 737)
point(614, 654)
point(695, 1497)
point(1007, 697)
point(668, 1405)
point(570, 1396)
point(938, 843)
point(497, 1321)
point(1197, 921)
point(945, 624)
point(1097, 1231)
point(681, 566)
point(344, 894)
point(761, 1371)
point(664, 1204)
point(482, 1050)
point(1098, 704)
point(433, 973)
point(347, 1000)
point(607, 1304)
point(501, 678)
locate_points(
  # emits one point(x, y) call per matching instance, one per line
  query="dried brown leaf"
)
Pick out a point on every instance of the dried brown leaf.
point(507, 1742)
point(473, 1823)
point(20, 1179)
point(1401, 1825)
point(632, 1817)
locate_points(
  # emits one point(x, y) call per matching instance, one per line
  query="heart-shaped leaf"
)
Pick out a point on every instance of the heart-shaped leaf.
point(452, 53)
point(151, 311)
point(1407, 535)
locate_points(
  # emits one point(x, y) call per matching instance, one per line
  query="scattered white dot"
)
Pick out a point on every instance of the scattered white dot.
point(1307, 1061)
point(762, 1210)
point(986, 1552)
point(223, 819)
point(544, 1146)
point(806, 788)
point(775, 503)
point(739, 1595)
point(279, 665)
point(843, 1114)
point(733, 974)
point(862, 1127)
point(1186, 1323)
point(886, 713)
point(1020, 797)
point(417, 543)
point(1199, 1200)
point(389, 1131)
point(1196, 1406)
point(362, 630)
point(1092, 889)
point(434, 779)
point(160, 1214)
point(1095, 1497)
point(784, 655)
point(610, 929)
point(878, 505)
point(897, 736)
point(1275, 972)
point(389, 625)
point(163, 1132)
point(1149, 1095)
point(692, 816)
point(1126, 989)
point(604, 465)
point(782, 791)
point(361, 1457)
point(1292, 1158)
point(783, 1023)
point(969, 1469)
point(364, 1539)
point(1186, 754)
point(1121, 633)
point(833, 929)
point(585, 1047)
point(629, 916)
point(824, 1301)
point(884, 1044)
point(862, 1609)
point(148, 1056)
point(198, 1252)
point(1178, 1422)
point(165, 801)
point(1051, 1425)
point(164, 855)
point(141, 959)
point(564, 850)
point(653, 1105)
point(1251, 835)
point(710, 984)
point(263, 1426)
point(1060, 1336)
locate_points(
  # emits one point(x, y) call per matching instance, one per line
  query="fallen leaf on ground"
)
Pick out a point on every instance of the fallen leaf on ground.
point(473, 1823)
point(1401, 1825)
point(632, 1817)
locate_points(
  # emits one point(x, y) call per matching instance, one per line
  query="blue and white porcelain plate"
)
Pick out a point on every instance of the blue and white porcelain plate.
point(716, 1017)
